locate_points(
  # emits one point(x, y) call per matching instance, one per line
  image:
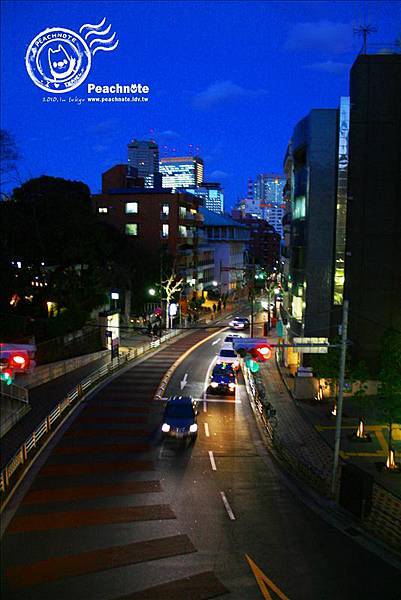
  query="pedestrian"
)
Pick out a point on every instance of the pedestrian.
point(149, 327)
point(189, 318)
point(219, 305)
point(214, 308)
point(224, 303)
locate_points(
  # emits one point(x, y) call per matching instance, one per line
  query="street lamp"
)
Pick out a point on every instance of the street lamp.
point(152, 291)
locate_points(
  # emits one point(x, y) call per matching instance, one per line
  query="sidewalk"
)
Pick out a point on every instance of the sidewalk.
point(308, 430)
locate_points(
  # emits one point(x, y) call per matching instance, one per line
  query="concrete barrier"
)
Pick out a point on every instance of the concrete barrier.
point(44, 373)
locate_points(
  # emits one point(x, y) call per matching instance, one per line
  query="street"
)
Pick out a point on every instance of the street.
point(115, 511)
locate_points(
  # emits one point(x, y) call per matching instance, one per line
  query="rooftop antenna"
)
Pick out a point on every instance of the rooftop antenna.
point(364, 31)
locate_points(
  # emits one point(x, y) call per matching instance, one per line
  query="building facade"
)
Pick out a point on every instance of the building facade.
point(229, 240)
point(373, 213)
point(311, 164)
point(211, 196)
point(143, 158)
point(268, 193)
point(159, 220)
point(264, 242)
point(181, 172)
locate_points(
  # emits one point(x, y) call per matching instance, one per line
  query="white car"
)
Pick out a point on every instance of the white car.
point(228, 356)
point(239, 323)
point(228, 340)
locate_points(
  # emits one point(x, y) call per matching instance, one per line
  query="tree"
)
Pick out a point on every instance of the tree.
point(171, 286)
point(327, 366)
point(360, 374)
point(8, 155)
point(390, 387)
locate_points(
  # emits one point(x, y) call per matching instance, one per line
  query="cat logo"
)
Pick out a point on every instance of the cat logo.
point(58, 60)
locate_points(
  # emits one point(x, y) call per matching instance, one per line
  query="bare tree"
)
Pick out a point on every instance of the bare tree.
point(171, 286)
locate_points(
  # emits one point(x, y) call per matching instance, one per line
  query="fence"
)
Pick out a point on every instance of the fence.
point(25, 453)
point(306, 470)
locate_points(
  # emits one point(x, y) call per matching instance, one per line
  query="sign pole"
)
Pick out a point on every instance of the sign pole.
point(340, 395)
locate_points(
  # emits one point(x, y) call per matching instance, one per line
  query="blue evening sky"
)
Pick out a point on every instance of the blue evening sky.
point(229, 77)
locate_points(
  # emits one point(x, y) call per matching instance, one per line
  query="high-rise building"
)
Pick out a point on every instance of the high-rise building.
point(268, 194)
point(211, 196)
point(373, 215)
point(143, 155)
point(181, 172)
point(311, 165)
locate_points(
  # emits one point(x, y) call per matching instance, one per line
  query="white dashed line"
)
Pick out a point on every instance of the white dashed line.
point(207, 430)
point(204, 406)
point(227, 506)
point(211, 457)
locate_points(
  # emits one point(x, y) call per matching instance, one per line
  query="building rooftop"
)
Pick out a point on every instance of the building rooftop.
point(218, 219)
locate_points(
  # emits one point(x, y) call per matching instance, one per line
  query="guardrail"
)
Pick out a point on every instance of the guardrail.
point(307, 471)
point(15, 392)
point(24, 453)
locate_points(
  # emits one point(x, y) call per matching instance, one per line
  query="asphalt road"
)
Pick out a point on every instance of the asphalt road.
point(115, 512)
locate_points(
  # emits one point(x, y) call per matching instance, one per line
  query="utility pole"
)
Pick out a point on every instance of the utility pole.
point(343, 354)
point(252, 290)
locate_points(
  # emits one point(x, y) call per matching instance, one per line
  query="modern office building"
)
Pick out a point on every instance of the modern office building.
point(143, 156)
point(311, 164)
point(181, 172)
point(373, 215)
point(229, 240)
point(211, 196)
point(268, 193)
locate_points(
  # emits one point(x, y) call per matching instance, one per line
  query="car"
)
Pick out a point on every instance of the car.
point(239, 323)
point(179, 419)
point(231, 337)
point(222, 380)
point(228, 356)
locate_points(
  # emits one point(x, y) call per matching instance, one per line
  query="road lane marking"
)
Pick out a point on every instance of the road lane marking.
point(204, 406)
point(207, 430)
point(227, 506)
point(216, 341)
point(183, 382)
point(212, 462)
point(264, 582)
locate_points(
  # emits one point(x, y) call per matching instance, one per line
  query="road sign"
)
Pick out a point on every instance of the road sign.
point(311, 345)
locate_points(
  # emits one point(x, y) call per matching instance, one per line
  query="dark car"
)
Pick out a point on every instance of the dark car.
point(179, 420)
point(222, 380)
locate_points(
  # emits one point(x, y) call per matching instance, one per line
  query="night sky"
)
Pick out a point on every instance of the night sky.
point(232, 78)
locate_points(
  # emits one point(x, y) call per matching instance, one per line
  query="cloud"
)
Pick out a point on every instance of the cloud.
point(326, 36)
point(216, 175)
point(336, 68)
point(168, 133)
point(107, 126)
point(221, 91)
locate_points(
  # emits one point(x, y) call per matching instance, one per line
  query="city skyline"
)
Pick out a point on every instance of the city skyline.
point(206, 90)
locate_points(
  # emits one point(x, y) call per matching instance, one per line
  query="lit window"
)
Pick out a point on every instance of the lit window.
point(182, 230)
point(182, 212)
point(131, 207)
point(165, 231)
point(165, 209)
point(103, 209)
point(131, 229)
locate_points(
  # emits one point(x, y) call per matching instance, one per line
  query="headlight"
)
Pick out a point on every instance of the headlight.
point(231, 323)
point(214, 384)
point(231, 386)
point(240, 325)
point(193, 428)
point(165, 427)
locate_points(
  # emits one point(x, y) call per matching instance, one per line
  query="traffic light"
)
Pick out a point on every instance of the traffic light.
point(18, 361)
point(251, 364)
point(261, 353)
point(7, 376)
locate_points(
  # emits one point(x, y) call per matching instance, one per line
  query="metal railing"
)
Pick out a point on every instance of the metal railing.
point(24, 452)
